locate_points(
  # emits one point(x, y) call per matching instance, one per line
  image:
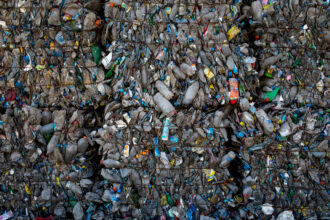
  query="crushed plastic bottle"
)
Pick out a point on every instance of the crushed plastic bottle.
point(164, 110)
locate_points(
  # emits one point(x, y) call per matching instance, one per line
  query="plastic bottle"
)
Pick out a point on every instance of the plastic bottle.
point(74, 188)
point(189, 70)
point(165, 133)
point(256, 8)
point(247, 192)
point(244, 104)
point(78, 212)
point(82, 145)
point(109, 163)
point(60, 38)
point(163, 89)
point(204, 58)
point(45, 194)
point(190, 93)
point(144, 75)
point(271, 60)
point(59, 119)
point(227, 159)
point(164, 105)
point(46, 117)
point(47, 129)
point(265, 121)
point(285, 215)
point(96, 54)
point(233, 90)
point(70, 152)
point(169, 199)
point(231, 64)
point(52, 143)
point(177, 72)
point(201, 203)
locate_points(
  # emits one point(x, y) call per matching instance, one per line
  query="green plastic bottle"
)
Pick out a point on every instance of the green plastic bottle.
point(110, 72)
point(291, 194)
point(296, 63)
point(169, 199)
point(73, 201)
point(96, 52)
point(262, 164)
point(48, 137)
point(269, 75)
point(151, 19)
point(269, 96)
point(295, 118)
point(241, 89)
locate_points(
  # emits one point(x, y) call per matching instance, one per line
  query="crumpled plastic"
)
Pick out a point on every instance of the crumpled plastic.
point(185, 110)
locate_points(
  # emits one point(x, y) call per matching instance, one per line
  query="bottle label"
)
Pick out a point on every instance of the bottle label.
point(208, 73)
point(234, 92)
point(106, 60)
point(165, 130)
point(126, 151)
point(233, 31)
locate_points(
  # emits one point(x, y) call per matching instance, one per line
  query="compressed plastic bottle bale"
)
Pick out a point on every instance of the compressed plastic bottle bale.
point(269, 56)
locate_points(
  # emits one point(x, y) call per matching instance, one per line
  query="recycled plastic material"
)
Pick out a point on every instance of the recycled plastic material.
point(164, 110)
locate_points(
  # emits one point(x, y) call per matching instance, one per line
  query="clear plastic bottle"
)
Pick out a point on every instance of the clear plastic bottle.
point(53, 143)
point(256, 10)
point(78, 212)
point(265, 121)
point(164, 105)
point(74, 188)
point(227, 159)
point(109, 163)
point(83, 145)
point(70, 152)
point(47, 129)
point(190, 93)
point(164, 90)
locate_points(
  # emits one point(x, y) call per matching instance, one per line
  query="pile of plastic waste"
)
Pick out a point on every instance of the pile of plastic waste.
point(164, 109)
